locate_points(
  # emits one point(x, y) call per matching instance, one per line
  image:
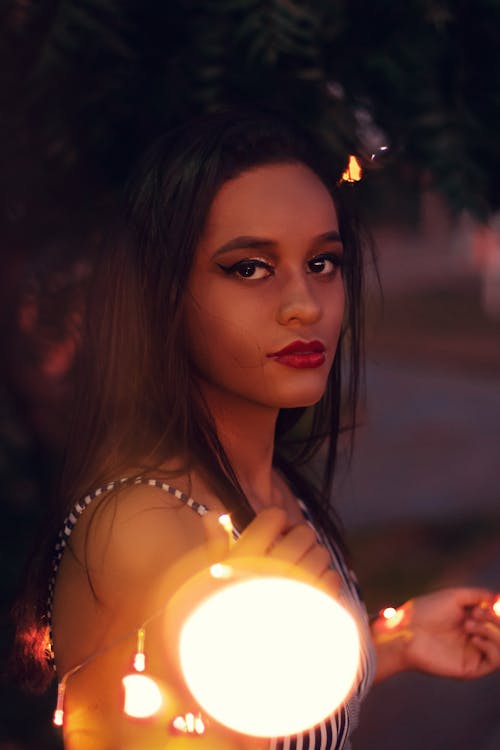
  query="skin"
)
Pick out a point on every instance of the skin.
point(234, 322)
point(141, 549)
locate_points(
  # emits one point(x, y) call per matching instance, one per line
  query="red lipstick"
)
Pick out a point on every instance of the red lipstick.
point(301, 354)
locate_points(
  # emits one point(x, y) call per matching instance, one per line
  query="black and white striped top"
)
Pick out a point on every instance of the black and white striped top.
point(334, 732)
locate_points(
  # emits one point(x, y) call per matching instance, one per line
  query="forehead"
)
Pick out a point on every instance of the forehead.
point(271, 200)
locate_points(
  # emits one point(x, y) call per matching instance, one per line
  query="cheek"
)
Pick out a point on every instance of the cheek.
point(334, 307)
point(221, 337)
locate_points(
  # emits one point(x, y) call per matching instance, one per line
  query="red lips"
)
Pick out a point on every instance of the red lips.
point(302, 355)
point(300, 347)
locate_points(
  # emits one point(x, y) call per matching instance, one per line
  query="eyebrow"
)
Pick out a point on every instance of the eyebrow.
point(258, 243)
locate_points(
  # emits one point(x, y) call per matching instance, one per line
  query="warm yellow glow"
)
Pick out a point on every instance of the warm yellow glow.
point(298, 663)
point(393, 617)
point(219, 570)
point(58, 717)
point(354, 172)
point(142, 696)
point(496, 607)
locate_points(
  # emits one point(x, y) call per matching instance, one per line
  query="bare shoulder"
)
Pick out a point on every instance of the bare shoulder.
point(135, 535)
point(128, 552)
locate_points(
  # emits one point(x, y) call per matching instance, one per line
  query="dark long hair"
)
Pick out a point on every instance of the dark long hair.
point(137, 404)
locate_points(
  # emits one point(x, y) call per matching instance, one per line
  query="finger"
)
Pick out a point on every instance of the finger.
point(331, 583)
point(489, 652)
point(261, 534)
point(295, 544)
point(473, 596)
point(484, 629)
point(315, 562)
point(484, 612)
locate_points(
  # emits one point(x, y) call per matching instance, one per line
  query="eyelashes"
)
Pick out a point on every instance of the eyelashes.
point(319, 264)
point(248, 269)
point(325, 264)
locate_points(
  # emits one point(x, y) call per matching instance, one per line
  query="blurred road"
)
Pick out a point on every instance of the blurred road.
point(429, 448)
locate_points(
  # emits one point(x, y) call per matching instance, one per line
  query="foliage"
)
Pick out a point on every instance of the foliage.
point(86, 85)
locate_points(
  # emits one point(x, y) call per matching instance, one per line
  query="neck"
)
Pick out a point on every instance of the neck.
point(246, 431)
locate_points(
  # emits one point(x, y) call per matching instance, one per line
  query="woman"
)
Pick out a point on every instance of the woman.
point(219, 328)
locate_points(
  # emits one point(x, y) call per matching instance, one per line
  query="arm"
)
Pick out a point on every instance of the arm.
point(451, 633)
point(139, 554)
point(138, 549)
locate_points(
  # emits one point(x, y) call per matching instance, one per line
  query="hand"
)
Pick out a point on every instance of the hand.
point(270, 536)
point(453, 633)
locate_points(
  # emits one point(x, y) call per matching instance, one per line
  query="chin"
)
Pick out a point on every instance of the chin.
point(301, 400)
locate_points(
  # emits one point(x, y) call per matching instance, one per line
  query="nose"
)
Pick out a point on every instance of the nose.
point(299, 302)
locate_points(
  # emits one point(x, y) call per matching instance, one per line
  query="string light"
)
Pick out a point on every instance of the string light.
point(388, 612)
point(496, 606)
point(140, 656)
point(297, 693)
point(219, 570)
point(143, 697)
point(392, 617)
point(188, 724)
point(227, 525)
point(353, 172)
point(58, 716)
point(58, 719)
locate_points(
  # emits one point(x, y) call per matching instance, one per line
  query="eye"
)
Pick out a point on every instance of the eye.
point(248, 269)
point(325, 264)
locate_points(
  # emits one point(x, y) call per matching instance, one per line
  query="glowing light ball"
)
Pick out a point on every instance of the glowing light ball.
point(496, 606)
point(268, 655)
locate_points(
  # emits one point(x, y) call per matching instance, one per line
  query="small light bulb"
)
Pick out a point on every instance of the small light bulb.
point(219, 570)
point(179, 724)
point(354, 172)
point(199, 725)
point(388, 612)
point(58, 718)
point(496, 606)
point(393, 617)
point(142, 696)
point(188, 724)
point(226, 523)
point(140, 656)
point(140, 662)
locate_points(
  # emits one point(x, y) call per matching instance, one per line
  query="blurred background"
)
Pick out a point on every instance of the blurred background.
point(413, 90)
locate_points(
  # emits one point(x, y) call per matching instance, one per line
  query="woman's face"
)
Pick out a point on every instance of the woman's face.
point(267, 277)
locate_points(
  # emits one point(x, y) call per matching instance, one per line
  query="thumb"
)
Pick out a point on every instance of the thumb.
point(331, 583)
point(472, 596)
